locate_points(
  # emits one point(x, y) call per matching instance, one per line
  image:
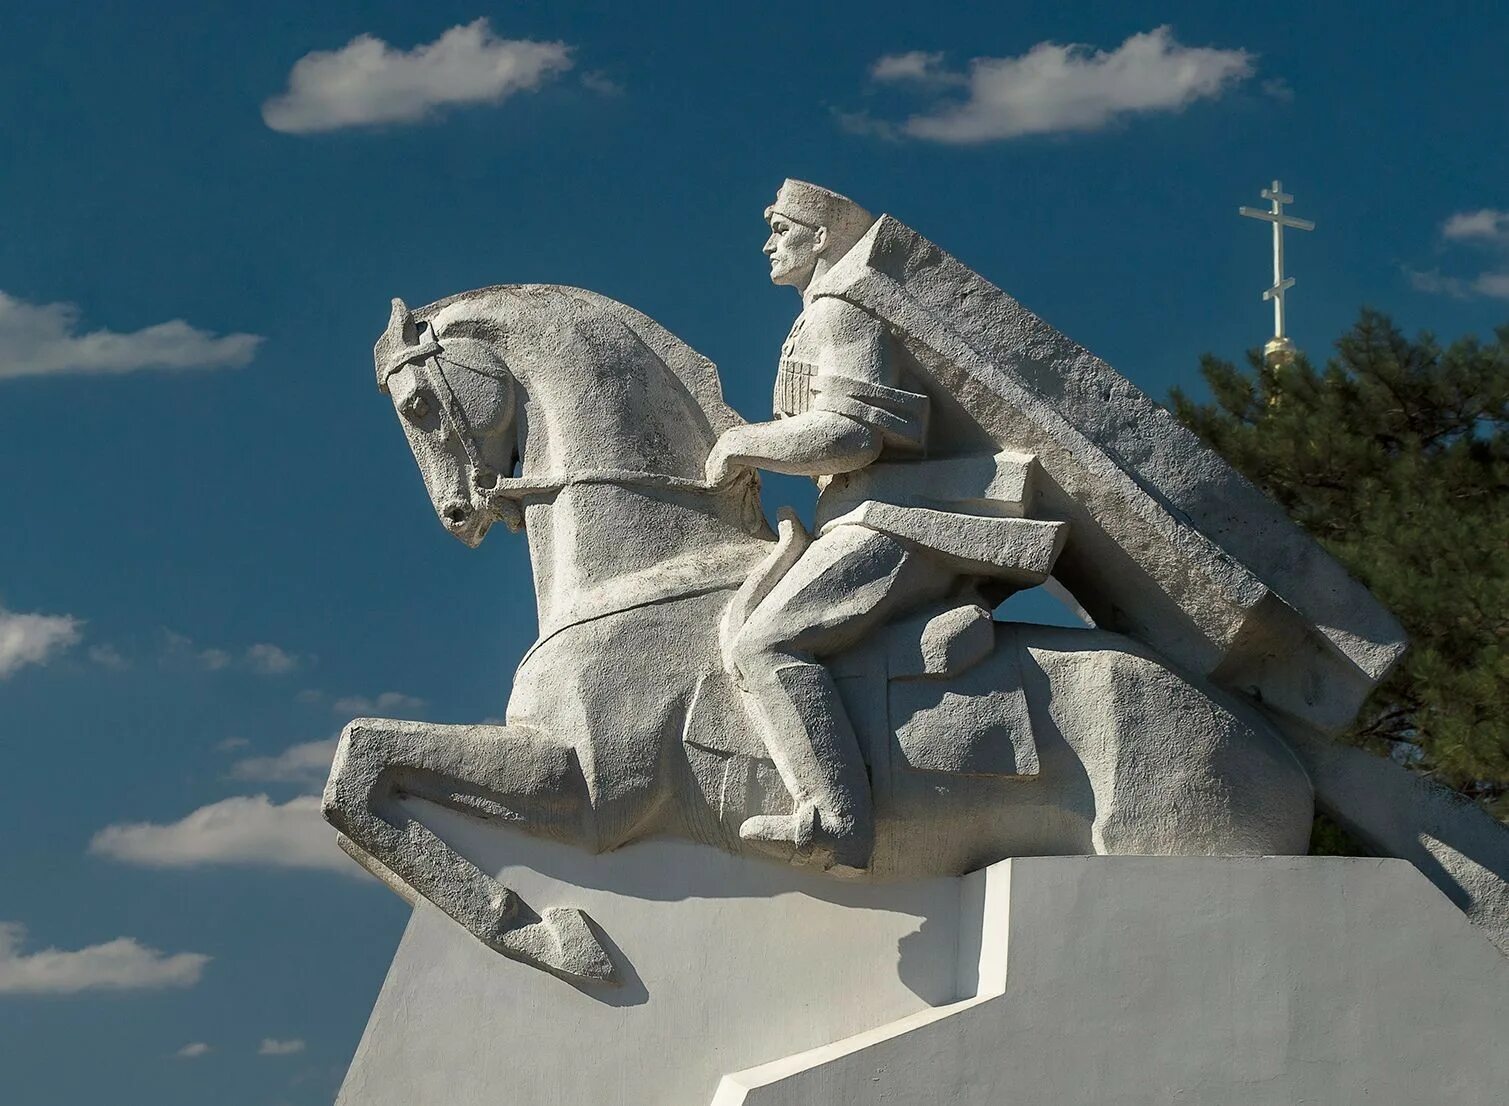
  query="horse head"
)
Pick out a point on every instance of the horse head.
point(456, 403)
point(565, 386)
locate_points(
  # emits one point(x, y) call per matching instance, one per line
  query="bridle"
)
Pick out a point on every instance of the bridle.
point(493, 493)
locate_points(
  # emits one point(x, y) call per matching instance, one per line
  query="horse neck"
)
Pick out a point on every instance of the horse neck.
point(601, 547)
point(614, 539)
point(597, 400)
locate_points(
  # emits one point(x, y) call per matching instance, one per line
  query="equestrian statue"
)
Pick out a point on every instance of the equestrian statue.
point(843, 699)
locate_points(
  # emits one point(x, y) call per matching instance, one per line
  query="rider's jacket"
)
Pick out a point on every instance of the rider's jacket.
point(793, 376)
point(808, 378)
point(933, 485)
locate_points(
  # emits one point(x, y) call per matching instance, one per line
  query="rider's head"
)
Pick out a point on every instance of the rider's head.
point(810, 229)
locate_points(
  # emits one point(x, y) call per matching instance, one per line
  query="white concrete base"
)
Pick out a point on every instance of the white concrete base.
point(1053, 980)
point(729, 963)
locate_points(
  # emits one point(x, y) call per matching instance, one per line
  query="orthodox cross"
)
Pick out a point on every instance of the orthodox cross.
point(1280, 345)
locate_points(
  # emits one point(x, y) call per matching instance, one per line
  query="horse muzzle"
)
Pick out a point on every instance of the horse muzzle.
point(465, 523)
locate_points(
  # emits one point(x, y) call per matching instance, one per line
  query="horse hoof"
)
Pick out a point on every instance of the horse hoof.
point(581, 953)
point(562, 941)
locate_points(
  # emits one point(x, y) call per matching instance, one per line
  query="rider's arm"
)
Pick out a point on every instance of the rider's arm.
point(816, 443)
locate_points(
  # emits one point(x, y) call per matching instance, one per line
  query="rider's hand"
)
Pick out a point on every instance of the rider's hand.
point(720, 469)
point(722, 466)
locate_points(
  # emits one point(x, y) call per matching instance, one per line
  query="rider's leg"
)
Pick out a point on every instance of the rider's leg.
point(813, 746)
point(846, 584)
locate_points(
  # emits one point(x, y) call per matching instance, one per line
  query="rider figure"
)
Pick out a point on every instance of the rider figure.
point(837, 409)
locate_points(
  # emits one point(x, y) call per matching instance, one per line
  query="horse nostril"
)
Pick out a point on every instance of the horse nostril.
point(456, 514)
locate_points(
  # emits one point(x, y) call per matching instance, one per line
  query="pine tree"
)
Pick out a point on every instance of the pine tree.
point(1396, 458)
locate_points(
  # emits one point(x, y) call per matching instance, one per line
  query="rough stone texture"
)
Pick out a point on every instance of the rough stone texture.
point(661, 596)
point(835, 700)
point(1170, 544)
point(703, 690)
point(1067, 979)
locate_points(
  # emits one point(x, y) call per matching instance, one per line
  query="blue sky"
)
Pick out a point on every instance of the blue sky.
point(216, 548)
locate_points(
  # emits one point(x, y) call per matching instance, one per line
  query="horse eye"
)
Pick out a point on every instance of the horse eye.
point(418, 406)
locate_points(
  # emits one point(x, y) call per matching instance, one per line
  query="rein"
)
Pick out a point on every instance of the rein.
point(511, 487)
point(499, 495)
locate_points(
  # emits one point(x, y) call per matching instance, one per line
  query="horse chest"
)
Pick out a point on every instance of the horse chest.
point(622, 681)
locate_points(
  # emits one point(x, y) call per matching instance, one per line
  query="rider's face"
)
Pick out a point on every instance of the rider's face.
point(793, 250)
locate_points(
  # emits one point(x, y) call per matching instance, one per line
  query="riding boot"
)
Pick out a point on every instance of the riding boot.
point(809, 737)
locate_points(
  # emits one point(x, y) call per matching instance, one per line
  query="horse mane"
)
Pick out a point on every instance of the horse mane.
point(494, 312)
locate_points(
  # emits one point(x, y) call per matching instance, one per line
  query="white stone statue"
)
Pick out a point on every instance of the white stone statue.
point(842, 700)
point(841, 408)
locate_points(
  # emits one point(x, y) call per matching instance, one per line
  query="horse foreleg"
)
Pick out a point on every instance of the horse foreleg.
point(487, 771)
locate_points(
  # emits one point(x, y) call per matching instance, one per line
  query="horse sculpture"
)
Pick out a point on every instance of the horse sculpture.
point(586, 424)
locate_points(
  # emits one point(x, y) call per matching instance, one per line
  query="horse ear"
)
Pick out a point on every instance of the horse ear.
point(401, 324)
point(401, 334)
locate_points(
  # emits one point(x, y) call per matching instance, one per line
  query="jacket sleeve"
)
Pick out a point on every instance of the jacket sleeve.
point(858, 373)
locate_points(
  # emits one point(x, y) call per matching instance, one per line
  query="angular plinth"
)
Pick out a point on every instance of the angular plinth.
point(1065, 979)
point(727, 963)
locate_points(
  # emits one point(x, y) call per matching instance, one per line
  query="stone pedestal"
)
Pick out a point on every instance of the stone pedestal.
point(1053, 980)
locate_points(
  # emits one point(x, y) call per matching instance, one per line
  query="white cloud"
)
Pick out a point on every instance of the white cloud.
point(1438, 283)
point(862, 122)
point(1486, 229)
point(215, 659)
point(270, 660)
point(245, 829)
point(123, 964)
point(1279, 89)
point(44, 339)
point(1055, 87)
point(602, 84)
point(914, 65)
point(33, 638)
point(231, 744)
point(367, 81)
point(263, 658)
point(385, 703)
point(193, 1050)
point(1493, 285)
point(274, 1047)
point(1485, 224)
point(308, 763)
point(108, 656)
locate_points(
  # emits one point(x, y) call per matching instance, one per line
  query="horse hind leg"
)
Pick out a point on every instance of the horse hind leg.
point(1191, 771)
point(491, 772)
